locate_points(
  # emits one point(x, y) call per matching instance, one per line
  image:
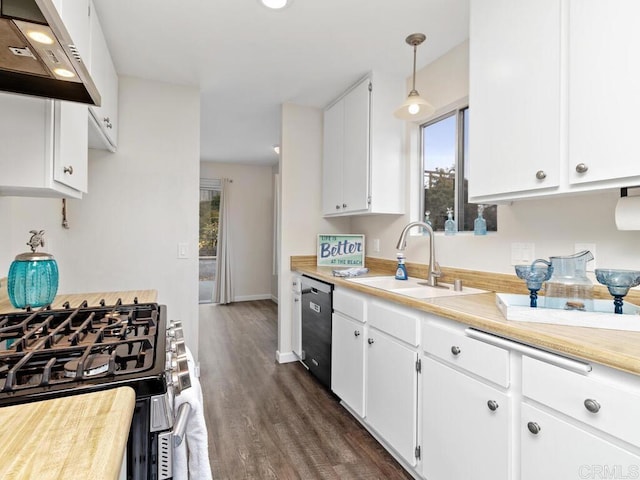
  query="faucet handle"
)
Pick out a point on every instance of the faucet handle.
point(436, 272)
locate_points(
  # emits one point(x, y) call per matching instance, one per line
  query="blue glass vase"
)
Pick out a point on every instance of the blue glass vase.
point(33, 280)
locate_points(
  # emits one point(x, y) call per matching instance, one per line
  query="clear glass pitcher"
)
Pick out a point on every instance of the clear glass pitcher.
point(569, 287)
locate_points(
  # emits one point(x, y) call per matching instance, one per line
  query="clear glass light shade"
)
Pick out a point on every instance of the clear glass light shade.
point(414, 108)
point(275, 4)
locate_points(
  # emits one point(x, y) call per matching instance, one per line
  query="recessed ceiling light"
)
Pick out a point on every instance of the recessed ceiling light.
point(275, 4)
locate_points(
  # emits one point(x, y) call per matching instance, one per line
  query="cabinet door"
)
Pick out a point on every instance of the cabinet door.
point(106, 79)
point(296, 324)
point(355, 168)
point(462, 438)
point(347, 361)
point(561, 450)
point(603, 89)
point(391, 393)
point(514, 96)
point(70, 157)
point(333, 145)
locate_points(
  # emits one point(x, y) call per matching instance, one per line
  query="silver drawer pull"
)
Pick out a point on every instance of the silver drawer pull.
point(534, 428)
point(356, 333)
point(592, 405)
point(370, 341)
point(455, 350)
point(541, 175)
point(493, 405)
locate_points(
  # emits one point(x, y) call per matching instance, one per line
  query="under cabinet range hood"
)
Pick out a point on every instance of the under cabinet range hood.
point(38, 56)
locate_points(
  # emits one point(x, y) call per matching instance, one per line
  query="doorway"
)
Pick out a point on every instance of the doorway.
point(208, 241)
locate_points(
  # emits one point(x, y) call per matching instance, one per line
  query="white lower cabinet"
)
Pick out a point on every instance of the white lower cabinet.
point(465, 426)
point(347, 361)
point(296, 316)
point(391, 392)
point(454, 403)
point(554, 449)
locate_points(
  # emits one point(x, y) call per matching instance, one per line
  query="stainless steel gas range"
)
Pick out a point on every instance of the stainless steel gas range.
point(51, 353)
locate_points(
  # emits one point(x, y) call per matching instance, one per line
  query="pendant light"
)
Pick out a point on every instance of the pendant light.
point(415, 107)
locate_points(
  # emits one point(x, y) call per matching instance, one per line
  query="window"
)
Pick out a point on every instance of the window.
point(208, 238)
point(445, 162)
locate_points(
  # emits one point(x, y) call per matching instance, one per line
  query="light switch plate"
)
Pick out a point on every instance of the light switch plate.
point(183, 250)
point(578, 247)
point(375, 245)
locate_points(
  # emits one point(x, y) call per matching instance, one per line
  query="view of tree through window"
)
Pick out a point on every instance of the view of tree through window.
point(445, 161)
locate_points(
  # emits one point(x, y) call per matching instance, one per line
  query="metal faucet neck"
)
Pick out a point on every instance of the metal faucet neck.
point(434, 270)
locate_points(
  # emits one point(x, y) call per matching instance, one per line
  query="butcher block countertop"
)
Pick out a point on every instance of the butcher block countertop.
point(75, 299)
point(613, 348)
point(71, 438)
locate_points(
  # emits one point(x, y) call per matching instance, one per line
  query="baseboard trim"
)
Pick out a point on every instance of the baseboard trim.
point(274, 299)
point(248, 298)
point(286, 357)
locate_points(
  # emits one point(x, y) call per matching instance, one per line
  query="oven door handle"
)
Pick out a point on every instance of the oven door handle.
point(180, 426)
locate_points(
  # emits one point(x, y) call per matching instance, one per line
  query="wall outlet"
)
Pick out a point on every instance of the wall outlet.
point(375, 245)
point(522, 253)
point(578, 247)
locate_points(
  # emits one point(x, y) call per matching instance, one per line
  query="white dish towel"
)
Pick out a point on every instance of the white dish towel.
point(191, 457)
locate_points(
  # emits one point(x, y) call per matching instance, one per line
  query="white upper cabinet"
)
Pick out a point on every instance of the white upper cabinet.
point(45, 141)
point(514, 96)
point(604, 99)
point(552, 97)
point(362, 170)
point(103, 120)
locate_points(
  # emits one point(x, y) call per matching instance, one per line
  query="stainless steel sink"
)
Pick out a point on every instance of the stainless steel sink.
point(412, 287)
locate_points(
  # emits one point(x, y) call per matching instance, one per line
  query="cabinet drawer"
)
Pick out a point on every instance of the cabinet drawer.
point(398, 322)
point(616, 411)
point(350, 304)
point(454, 347)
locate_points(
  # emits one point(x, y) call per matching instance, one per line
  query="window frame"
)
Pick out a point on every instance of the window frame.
point(459, 110)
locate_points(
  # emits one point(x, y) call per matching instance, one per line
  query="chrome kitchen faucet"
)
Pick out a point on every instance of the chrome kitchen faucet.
point(434, 268)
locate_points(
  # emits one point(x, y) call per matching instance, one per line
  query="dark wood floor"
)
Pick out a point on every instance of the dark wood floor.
point(274, 421)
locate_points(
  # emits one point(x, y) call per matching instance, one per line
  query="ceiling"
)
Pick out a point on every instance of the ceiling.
point(247, 60)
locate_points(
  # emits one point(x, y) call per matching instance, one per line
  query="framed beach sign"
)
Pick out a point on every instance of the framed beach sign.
point(340, 250)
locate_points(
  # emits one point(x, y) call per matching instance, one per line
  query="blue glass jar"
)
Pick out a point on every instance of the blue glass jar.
point(33, 280)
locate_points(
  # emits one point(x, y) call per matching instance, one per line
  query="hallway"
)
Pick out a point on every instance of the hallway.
point(272, 421)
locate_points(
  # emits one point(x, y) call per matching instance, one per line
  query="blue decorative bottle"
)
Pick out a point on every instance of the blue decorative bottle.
point(480, 224)
point(33, 276)
point(401, 270)
point(450, 224)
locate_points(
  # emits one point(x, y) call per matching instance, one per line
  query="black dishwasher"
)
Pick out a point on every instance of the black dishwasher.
point(317, 306)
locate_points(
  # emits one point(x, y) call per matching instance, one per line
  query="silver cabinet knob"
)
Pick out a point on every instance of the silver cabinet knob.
point(581, 168)
point(455, 350)
point(107, 122)
point(68, 170)
point(534, 428)
point(344, 205)
point(337, 207)
point(541, 175)
point(356, 333)
point(591, 405)
point(296, 299)
point(493, 405)
point(370, 341)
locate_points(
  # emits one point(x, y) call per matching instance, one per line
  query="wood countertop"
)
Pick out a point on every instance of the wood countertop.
point(614, 348)
point(71, 438)
point(93, 299)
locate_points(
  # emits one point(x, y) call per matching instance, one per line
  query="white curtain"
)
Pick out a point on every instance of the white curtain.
point(223, 289)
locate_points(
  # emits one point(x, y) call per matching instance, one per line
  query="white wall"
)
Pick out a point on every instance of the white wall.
point(301, 209)
point(553, 225)
point(251, 222)
point(142, 201)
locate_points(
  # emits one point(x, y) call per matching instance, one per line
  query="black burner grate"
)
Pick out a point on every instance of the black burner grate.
point(44, 348)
